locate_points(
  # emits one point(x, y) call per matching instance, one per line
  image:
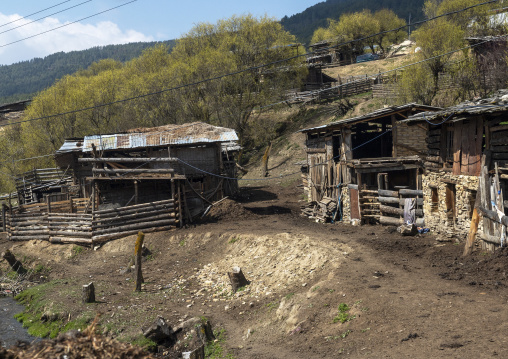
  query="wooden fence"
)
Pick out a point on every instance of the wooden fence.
point(55, 223)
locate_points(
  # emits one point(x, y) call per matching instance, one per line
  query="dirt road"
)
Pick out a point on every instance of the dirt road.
point(317, 290)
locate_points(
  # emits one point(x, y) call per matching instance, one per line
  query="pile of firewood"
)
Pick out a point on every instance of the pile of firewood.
point(322, 211)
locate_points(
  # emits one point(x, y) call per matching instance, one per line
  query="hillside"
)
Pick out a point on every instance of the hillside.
point(23, 79)
point(302, 25)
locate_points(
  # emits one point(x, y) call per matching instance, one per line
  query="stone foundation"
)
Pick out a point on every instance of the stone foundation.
point(437, 203)
point(346, 208)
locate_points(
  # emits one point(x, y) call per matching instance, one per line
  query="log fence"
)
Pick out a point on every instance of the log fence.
point(392, 204)
point(55, 223)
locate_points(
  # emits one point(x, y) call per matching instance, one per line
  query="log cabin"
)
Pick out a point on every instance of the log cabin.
point(146, 179)
point(362, 169)
point(467, 162)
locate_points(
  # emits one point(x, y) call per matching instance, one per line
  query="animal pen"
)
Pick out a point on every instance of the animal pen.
point(148, 179)
point(364, 168)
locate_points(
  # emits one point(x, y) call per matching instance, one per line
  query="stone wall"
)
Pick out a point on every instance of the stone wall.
point(438, 215)
point(346, 209)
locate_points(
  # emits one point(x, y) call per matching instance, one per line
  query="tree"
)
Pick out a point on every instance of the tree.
point(388, 20)
point(436, 40)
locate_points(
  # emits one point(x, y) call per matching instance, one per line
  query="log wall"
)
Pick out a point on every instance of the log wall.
point(35, 222)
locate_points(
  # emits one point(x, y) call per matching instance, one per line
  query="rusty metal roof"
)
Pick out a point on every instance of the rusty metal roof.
point(193, 133)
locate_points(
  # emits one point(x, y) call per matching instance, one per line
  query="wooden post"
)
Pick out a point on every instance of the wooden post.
point(468, 248)
point(136, 192)
point(266, 156)
point(137, 253)
point(180, 204)
point(48, 200)
point(71, 205)
point(88, 294)
point(4, 210)
point(16, 265)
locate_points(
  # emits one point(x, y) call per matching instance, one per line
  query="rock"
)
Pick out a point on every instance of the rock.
point(407, 230)
point(160, 332)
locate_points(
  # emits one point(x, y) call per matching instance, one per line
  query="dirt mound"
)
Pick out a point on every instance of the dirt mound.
point(75, 344)
point(228, 210)
point(272, 263)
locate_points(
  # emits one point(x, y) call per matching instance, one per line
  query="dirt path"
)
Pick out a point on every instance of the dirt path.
point(400, 296)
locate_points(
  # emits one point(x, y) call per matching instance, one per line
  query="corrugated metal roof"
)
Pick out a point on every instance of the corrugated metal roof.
point(193, 133)
point(373, 115)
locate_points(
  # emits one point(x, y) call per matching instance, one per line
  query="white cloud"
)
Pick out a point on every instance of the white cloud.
point(20, 44)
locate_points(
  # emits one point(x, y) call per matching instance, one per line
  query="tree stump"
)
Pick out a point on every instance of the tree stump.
point(88, 295)
point(198, 353)
point(138, 253)
point(237, 279)
point(13, 262)
point(159, 331)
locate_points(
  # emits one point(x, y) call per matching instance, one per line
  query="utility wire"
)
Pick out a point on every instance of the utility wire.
point(216, 77)
point(42, 18)
point(35, 13)
point(65, 25)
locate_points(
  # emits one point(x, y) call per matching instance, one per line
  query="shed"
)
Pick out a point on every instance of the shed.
point(351, 160)
point(468, 152)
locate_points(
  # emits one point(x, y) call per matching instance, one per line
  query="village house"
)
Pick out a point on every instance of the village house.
point(362, 169)
point(467, 164)
point(113, 185)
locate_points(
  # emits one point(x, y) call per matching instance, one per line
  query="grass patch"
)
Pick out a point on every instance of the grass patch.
point(215, 349)
point(145, 343)
point(343, 315)
point(234, 240)
point(76, 251)
point(42, 317)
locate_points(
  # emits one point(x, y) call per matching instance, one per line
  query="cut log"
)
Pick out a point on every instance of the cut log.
point(392, 221)
point(237, 279)
point(16, 265)
point(132, 219)
point(407, 230)
point(128, 159)
point(98, 239)
point(138, 252)
point(411, 192)
point(88, 294)
point(75, 240)
point(387, 193)
point(398, 211)
point(137, 226)
point(117, 171)
point(137, 206)
point(198, 353)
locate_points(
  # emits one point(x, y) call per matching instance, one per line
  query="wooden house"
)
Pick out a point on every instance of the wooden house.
point(364, 167)
point(468, 153)
point(324, 52)
point(144, 179)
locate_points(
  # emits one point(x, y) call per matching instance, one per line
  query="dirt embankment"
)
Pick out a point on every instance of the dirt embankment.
point(316, 291)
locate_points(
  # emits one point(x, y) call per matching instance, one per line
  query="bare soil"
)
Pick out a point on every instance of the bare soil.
point(408, 297)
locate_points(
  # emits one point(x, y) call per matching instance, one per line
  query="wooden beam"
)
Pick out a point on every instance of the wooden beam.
point(128, 159)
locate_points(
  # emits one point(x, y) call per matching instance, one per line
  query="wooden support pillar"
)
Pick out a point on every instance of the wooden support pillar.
point(71, 205)
point(93, 196)
point(180, 204)
point(136, 192)
point(48, 201)
point(138, 250)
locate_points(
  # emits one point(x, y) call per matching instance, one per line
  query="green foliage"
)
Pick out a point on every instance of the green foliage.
point(143, 342)
point(343, 315)
point(303, 25)
point(215, 349)
point(39, 316)
point(23, 80)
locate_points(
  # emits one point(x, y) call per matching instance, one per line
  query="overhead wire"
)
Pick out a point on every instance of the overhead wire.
point(35, 13)
point(67, 24)
point(223, 75)
point(42, 18)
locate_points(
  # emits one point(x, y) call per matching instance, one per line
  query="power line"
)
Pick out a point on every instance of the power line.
point(35, 13)
point(65, 25)
point(41, 18)
point(216, 77)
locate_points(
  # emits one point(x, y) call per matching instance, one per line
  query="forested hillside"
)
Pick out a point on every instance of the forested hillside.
point(302, 25)
point(23, 79)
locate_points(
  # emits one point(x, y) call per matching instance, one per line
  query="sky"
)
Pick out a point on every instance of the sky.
point(35, 28)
